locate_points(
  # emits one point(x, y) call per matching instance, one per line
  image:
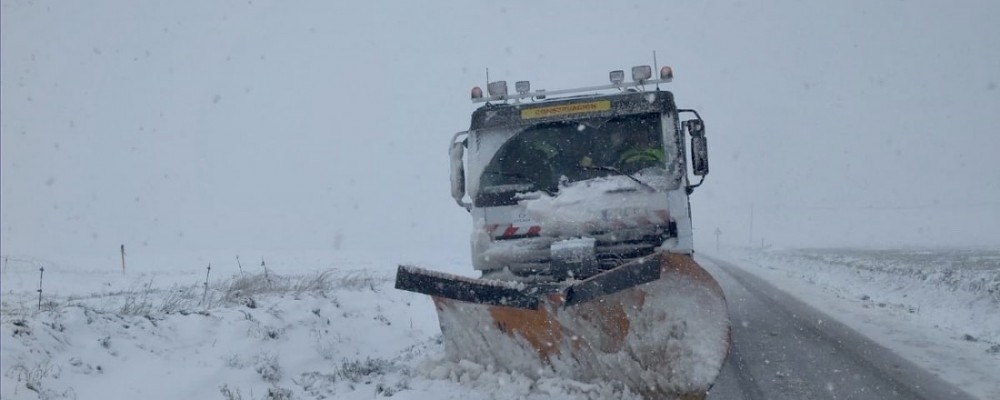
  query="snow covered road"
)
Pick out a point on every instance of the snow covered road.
point(785, 349)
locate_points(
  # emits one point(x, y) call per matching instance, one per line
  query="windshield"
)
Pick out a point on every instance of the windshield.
point(542, 156)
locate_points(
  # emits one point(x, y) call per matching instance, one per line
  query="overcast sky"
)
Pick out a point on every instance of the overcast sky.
point(259, 127)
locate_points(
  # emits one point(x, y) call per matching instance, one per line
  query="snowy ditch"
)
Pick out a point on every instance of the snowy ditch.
point(248, 336)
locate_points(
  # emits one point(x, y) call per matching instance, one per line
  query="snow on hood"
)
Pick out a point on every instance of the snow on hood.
point(600, 204)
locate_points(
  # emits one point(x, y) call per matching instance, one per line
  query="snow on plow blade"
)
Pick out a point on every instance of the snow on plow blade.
point(664, 337)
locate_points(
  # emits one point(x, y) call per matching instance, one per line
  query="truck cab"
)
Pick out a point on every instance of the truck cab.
point(568, 187)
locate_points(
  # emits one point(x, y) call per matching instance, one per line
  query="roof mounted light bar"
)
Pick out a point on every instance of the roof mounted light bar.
point(640, 74)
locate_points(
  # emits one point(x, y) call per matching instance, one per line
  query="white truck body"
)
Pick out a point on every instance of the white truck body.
point(628, 213)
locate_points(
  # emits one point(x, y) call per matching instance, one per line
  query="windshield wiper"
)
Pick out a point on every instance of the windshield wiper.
point(619, 172)
point(526, 180)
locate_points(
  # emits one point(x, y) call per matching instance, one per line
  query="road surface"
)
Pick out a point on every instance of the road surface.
point(784, 349)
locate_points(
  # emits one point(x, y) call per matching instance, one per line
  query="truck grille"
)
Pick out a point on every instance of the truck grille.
point(612, 249)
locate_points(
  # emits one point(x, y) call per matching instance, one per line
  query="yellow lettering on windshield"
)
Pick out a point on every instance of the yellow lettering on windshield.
point(542, 112)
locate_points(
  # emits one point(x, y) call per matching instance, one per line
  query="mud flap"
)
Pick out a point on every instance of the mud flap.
point(520, 295)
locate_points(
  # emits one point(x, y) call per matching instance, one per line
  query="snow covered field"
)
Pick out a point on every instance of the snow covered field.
point(303, 330)
point(939, 308)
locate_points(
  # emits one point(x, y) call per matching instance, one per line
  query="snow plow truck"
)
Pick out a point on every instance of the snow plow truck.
point(582, 235)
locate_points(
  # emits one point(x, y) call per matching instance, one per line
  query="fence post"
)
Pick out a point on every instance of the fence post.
point(41, 273)
point(204, 294)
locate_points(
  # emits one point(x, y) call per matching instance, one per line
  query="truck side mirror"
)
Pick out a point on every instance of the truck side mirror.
point(699, 146)
point(457, 153)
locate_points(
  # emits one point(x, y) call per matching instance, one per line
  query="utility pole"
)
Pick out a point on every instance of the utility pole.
point(750, 242)
point(123, 258)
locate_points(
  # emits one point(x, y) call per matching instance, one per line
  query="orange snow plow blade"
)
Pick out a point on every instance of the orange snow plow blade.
point(664, 338)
